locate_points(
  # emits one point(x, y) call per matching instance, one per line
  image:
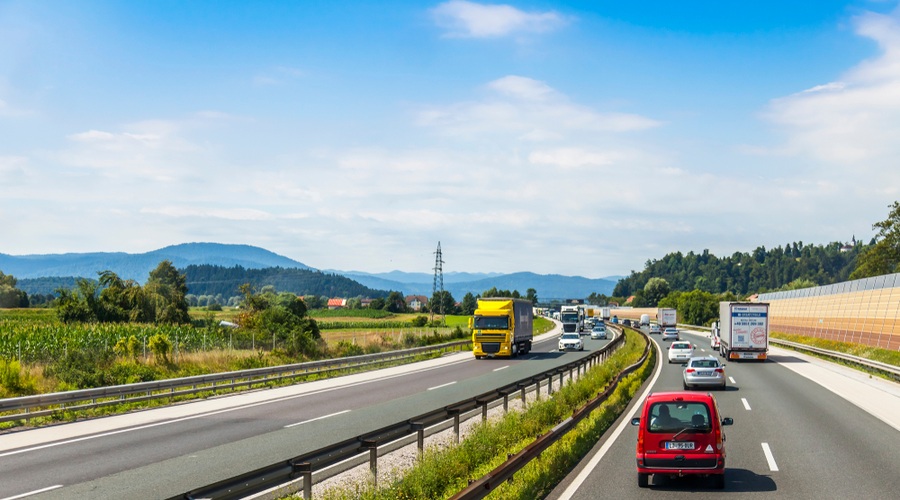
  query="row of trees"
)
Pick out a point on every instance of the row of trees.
point(160, 300)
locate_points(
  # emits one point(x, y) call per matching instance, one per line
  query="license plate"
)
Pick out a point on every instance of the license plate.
point(679, 445)
point(705, 374)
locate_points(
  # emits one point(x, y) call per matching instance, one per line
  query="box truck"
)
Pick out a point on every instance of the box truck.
point(744, 330)
point(645, 320)
point(604, 313)
point(666, 318)
point(502, 327)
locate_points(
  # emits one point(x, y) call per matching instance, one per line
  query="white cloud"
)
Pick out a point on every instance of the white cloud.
point(463, 19)
point(855, 121)
point(235, 214)
point(529, 109)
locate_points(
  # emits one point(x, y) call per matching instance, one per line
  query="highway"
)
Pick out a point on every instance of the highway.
point(164, 452)
point(791, 438)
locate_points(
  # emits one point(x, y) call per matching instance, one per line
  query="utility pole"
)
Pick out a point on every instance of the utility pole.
point(438, 284)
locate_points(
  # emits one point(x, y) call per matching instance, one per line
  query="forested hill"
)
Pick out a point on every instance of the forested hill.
point(747, 273)
point(214, 280)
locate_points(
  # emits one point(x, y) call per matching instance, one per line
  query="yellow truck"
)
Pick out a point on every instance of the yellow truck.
point(502, 327)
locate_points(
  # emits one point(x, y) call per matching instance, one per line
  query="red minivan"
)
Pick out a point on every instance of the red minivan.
point(680, 434)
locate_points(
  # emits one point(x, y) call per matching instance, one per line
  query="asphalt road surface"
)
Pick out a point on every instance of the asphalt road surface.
point(791, 438)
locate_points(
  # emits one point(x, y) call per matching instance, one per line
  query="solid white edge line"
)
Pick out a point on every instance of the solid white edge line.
point(317, 418)
point(442, 385)
point(35, 492)
point(501, 368)
point(746, 404)
point(592, 464)
point(769, 457)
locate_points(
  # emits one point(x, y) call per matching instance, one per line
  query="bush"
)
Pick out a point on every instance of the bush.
point(13, 381)
point(419, 321)
point(160, 346)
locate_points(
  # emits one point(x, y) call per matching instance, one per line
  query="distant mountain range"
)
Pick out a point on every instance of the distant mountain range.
point(29, 268)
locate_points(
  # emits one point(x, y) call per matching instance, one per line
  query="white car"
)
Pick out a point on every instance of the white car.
point(670, 334)
point(680, 352)
point(571, 341)
point(714, 341)
point(654, 328)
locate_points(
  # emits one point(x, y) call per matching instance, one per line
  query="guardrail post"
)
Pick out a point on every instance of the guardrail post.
point(484, 409)
point(372, 446)
point(550, 385)
point(537, 390)
point(523, 394)
point(419, 427)
point(570, 375)
point(505, 403)
point(455, 414)
point(304, 470)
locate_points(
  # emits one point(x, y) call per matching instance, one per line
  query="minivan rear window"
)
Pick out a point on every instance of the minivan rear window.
point(676, 416)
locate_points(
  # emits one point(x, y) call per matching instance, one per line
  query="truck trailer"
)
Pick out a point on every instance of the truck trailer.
point(743, 330)
point(502, 327)
point(666, 318)
point(604, 313)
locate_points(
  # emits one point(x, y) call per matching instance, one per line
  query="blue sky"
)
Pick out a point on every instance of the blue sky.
point(578, 138)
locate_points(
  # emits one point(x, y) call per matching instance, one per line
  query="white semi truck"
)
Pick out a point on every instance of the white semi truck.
point(744, 330)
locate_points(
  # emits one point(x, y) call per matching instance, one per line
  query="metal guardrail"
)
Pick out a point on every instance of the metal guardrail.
point(304, 466)
point(49, 404)
point(869, 364)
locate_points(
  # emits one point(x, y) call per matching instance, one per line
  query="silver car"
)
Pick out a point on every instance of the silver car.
point(704, 372)
point(670, 334)
point(598, 332)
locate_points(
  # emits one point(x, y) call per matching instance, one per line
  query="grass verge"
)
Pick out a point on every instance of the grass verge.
point(861, 350)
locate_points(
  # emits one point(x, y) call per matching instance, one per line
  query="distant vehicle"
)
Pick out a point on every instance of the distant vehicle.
point(571, 341)
point(666, 317)
point(626, 322)
point(502, 327)
point(654, 328)
point(604, 313)
point(704, 372)
point(679, 434)
point(680, 351)
point(588, 323)
point(714, 336)
point(744, 330)
point(615, 320)
point(645, 320)
point(598, 332)
point(670, 334)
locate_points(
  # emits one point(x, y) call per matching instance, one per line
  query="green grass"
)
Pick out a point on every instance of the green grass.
point(863, 351)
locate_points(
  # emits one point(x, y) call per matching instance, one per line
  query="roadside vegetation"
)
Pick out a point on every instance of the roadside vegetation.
point(442, 472)
point(861, 350)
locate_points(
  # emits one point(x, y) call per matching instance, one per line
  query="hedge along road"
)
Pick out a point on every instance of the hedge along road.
point(791, 436)
point(164, 452)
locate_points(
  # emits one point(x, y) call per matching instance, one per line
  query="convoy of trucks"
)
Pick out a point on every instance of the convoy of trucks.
point(743, 330)
point(502, 327)
point(666, 318)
